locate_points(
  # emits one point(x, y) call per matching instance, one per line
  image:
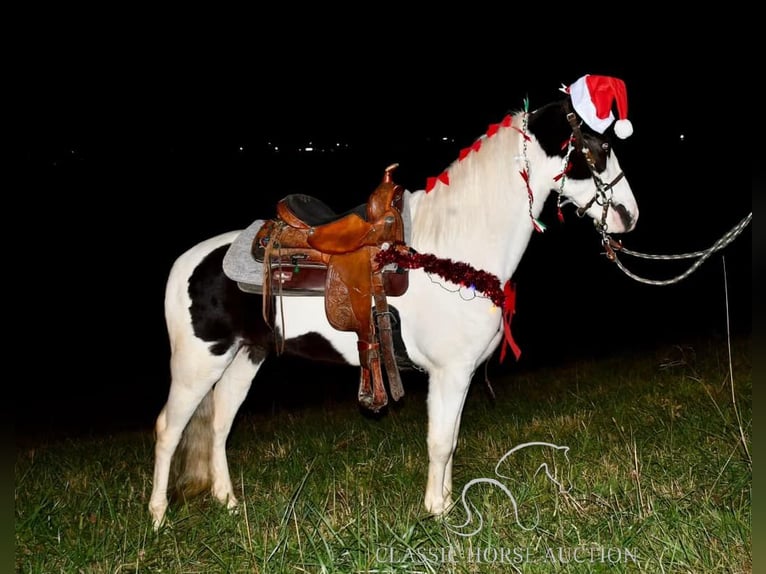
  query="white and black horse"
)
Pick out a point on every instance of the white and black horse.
point(481, 211)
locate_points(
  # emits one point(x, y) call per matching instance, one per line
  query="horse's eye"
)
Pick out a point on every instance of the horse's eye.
point(605, 146)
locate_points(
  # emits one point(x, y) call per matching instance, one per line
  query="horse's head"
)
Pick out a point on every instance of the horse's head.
point(592, 178)
point(596, 183)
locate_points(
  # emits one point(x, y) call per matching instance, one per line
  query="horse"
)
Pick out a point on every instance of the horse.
point(480, 212)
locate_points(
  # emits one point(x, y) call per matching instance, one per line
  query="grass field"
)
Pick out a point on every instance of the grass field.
point(657, 478)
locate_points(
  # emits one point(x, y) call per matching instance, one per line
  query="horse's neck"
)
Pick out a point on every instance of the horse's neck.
point(481, 215)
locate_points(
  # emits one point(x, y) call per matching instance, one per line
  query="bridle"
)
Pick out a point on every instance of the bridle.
point(603, 195)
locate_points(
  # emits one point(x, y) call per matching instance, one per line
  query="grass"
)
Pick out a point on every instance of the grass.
point(658, 478)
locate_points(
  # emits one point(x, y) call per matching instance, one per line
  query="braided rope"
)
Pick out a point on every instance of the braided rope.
point(701, 256)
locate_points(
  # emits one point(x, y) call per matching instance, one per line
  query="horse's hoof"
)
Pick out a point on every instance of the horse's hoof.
point(158, 516)
point(232, 505)
point(157, 524)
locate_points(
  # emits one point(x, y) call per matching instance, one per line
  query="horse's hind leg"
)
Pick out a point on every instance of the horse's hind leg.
point(228, 395)
point(194, 371)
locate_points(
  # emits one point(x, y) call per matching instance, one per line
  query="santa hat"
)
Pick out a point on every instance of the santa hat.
point(592, 98)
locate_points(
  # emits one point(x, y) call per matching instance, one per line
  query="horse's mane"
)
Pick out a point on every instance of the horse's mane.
point(474, 188)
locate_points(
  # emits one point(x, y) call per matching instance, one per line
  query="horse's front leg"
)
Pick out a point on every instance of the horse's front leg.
point(446, 396)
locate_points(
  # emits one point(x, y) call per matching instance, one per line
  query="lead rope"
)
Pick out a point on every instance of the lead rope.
point(612, 247)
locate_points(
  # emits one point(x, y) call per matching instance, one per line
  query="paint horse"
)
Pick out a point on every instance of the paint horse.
point(474, 220)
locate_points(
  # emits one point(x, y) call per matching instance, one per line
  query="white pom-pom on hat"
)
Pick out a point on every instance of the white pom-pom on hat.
point(623, 129)
point(592, 98)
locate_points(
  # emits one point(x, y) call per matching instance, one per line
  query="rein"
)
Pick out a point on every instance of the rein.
point(612, 246)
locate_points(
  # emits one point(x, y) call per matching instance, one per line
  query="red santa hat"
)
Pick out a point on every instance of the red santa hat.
point(592, 98)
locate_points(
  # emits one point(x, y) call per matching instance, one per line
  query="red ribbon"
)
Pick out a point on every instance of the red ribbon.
point(523, 133)
point(431, 181)
point(509, 308)
point(567, 169)
point(475, 146)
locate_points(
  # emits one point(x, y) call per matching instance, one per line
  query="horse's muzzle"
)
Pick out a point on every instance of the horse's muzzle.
point(628, 220)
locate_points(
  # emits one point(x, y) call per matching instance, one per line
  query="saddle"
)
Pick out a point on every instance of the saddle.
point(308, 249)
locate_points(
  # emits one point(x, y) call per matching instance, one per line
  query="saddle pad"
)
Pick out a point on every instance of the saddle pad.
point(240, 266)
point(238, 263)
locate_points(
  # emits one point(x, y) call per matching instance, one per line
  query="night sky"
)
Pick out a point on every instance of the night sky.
point(132, 154)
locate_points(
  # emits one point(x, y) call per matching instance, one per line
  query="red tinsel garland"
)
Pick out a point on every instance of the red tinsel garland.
point(461, 274)
point(455, 271)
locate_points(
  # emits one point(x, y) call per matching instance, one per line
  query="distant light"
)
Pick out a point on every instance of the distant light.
point(241, 148)
point(308, 148)
point(681, 137)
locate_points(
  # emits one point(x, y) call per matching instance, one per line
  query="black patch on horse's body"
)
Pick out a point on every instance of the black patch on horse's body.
point(221, 314)
point(403, 360)
point(315, 347)
point(220, 311)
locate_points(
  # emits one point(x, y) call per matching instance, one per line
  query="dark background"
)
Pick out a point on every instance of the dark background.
point(134, 149)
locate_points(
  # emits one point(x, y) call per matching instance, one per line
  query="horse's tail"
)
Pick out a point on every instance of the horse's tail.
point(190, 473)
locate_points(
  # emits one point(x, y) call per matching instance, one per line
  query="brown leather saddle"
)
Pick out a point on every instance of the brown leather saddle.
point(308, 249)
